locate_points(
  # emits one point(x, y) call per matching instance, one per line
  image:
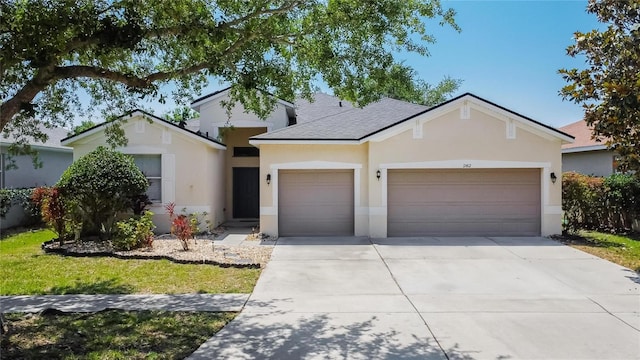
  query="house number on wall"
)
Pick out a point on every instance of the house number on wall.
point(464, 166)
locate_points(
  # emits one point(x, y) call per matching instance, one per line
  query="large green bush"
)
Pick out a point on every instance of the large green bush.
point(623, 200)
point(597, 203)
point(101, 184)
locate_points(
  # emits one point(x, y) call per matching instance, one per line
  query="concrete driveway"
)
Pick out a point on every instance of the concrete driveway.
point(435, 298)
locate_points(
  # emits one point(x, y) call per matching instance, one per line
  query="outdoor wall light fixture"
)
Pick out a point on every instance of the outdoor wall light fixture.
point(268, 179)
point(378, 174)
point(553, 177)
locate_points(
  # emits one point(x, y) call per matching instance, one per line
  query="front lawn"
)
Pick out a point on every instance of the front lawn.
point(26, 270)
point(620, 249)
point(110, 334)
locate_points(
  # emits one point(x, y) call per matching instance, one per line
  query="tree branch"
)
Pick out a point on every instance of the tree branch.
point(281, 10)
point(24, 96)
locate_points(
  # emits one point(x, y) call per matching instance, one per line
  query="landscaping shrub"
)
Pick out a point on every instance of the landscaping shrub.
point(22, 197)
point(596, 203)
point(622, 199)
point(183, 226)
point(102, 183)
point(134, 233)
point(55, 213)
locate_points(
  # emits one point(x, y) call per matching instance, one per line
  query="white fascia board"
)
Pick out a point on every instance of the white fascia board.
point(305, 142)
point(42, 147)
point(195, 106)
point(69, 141)
point(146, 117)
point(100, 128)
point(584, 148)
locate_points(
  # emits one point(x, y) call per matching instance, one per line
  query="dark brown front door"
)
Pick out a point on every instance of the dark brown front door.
point(246, 193)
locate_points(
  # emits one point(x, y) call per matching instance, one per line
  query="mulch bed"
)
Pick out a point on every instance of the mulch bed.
point(255, 254)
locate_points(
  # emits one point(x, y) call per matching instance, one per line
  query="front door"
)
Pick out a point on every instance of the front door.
point(246, 193)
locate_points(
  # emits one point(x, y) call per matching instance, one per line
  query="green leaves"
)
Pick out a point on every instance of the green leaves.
point(121, 52)
point(609, 87)
point(103, 183)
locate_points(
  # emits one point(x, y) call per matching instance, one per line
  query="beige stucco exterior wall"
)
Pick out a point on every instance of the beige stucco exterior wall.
point(191, 169)
point(276, 157)
point(237, 137)
point(444, 141)
point(481, 141)
point(213, 116)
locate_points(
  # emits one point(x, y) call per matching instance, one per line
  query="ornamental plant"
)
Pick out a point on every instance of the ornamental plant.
point(54, 213)
point(102, 183)
point(183, 226)
point(134, 232)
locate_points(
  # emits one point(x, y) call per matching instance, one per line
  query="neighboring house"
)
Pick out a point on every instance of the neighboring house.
point(18, 171)
point(465, 167)
point(586, 155)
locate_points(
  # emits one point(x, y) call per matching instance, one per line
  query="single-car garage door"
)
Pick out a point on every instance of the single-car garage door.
point(315, 202)
point(465, 202)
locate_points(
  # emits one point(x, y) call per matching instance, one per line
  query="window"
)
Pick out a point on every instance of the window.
point(151, 167)
point(246, 151)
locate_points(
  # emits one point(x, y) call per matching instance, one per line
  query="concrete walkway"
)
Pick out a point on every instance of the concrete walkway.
point(92, 303)
point(434, 298)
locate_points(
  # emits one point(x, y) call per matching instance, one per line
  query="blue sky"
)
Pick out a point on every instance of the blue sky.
point(508, 52)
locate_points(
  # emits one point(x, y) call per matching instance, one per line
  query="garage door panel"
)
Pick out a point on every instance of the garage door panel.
point(467, 212)
point(315, 202)
point(488, 202)
point(464, 193)
point(467, 228)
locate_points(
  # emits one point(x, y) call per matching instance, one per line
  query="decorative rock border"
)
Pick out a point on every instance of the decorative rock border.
point(66, 252)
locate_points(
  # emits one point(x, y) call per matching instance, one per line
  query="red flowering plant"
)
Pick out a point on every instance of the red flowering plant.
point(181, 226)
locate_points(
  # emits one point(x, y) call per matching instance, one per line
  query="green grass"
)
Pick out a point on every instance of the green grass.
point(620, 249)
point(111, 334)
point(26, 270)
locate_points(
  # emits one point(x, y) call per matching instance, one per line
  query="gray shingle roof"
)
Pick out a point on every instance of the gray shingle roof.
point(323, 105)
point(325, 119)
point(54, 134)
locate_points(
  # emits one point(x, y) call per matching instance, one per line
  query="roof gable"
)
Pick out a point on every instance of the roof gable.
point(387, 117)
point(158, 120)
point(352, 123)
point(199, 102)
point(584, 139)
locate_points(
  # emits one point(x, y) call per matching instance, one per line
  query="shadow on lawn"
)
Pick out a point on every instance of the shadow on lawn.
point(110, 286)
point(109, 333)
point(586, 241)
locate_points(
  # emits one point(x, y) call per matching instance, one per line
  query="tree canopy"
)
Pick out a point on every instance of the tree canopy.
point(609, 87)
point(122, 52)
point(406, 85)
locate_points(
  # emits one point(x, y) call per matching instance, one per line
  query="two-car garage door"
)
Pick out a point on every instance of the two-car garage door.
point(463, 202)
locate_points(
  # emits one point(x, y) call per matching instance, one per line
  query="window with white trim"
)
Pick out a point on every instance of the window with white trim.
point(151, 167)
